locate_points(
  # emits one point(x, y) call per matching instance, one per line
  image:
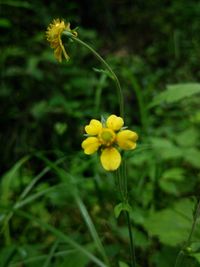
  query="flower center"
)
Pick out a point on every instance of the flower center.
point(107, 136)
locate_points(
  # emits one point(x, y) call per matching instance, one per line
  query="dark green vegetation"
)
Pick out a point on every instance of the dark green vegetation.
point(56, 204)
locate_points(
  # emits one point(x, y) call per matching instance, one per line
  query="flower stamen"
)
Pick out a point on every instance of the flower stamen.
point(107, 136)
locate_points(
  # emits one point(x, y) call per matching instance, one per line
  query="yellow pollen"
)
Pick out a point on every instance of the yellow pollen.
point(107, 136)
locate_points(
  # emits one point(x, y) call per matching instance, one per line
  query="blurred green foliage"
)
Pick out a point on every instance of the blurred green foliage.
point(57, 204)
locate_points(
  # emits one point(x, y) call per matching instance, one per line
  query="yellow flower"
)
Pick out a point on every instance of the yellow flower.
point(53, 34)
point(107, 137)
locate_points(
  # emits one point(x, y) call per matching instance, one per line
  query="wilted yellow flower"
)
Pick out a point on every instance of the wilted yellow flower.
point(53, 34)
point(107, 137)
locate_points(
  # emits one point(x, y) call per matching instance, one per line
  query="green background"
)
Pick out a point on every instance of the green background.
point(154, 48)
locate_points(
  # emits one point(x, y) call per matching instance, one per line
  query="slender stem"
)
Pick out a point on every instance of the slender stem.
point(197, 213)
point(124, 199)
point(179, 258)
point(121, 173)
point(132, 248)
point(118, 184)
point(117, 83)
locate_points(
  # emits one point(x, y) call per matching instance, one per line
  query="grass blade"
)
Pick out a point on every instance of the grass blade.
point(62, 236)
point(51, 254)
point(91, 228)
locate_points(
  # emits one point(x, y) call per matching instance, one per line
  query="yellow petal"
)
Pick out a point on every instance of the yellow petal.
point(58, 53)
point(115, 123)
point(53, 34)
point(94, 127)
point(90, 145)
point(110, 159)
point(127, 139)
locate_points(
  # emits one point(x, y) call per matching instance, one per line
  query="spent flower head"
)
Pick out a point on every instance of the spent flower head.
point(108, 137)
point(53, 34)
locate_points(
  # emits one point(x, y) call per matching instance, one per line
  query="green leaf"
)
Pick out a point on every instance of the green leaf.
point(8, 178)
point(5, 23)
point(192, 156)
point(168, 181)
point(187, 138)
point(91, 228)
point(60, 235)
point(51, 254)
point(75, 259)
point(39, 109)
point(173, 174)
point(6, 254)
point(106, 72)
point(165, 148)
point(123, 264)
point(172, 225)
point(164, 257)
point(169, 187)
point(197, 256)
point(60, 127)
point(20, 4)
point(194, 247)
point(175, 93)
point(121, 207)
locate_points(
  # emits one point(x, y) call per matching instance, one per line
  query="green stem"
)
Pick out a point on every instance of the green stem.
point(124, 198)
point(121, 173)
point(197, 213)
point(132, 248)
point(117, 83)
point(179, 258)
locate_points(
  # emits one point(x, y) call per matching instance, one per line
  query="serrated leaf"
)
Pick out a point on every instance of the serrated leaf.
point(175, 93)
point(172, 225)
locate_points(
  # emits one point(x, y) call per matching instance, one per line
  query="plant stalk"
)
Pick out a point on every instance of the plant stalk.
point(132, 247)
point(122, 187)
point(107, 66)
point(121, 173)
point(180, 256)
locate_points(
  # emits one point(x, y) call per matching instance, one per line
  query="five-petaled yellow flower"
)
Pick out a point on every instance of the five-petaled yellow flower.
point(53, 34)
point(107, 137)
